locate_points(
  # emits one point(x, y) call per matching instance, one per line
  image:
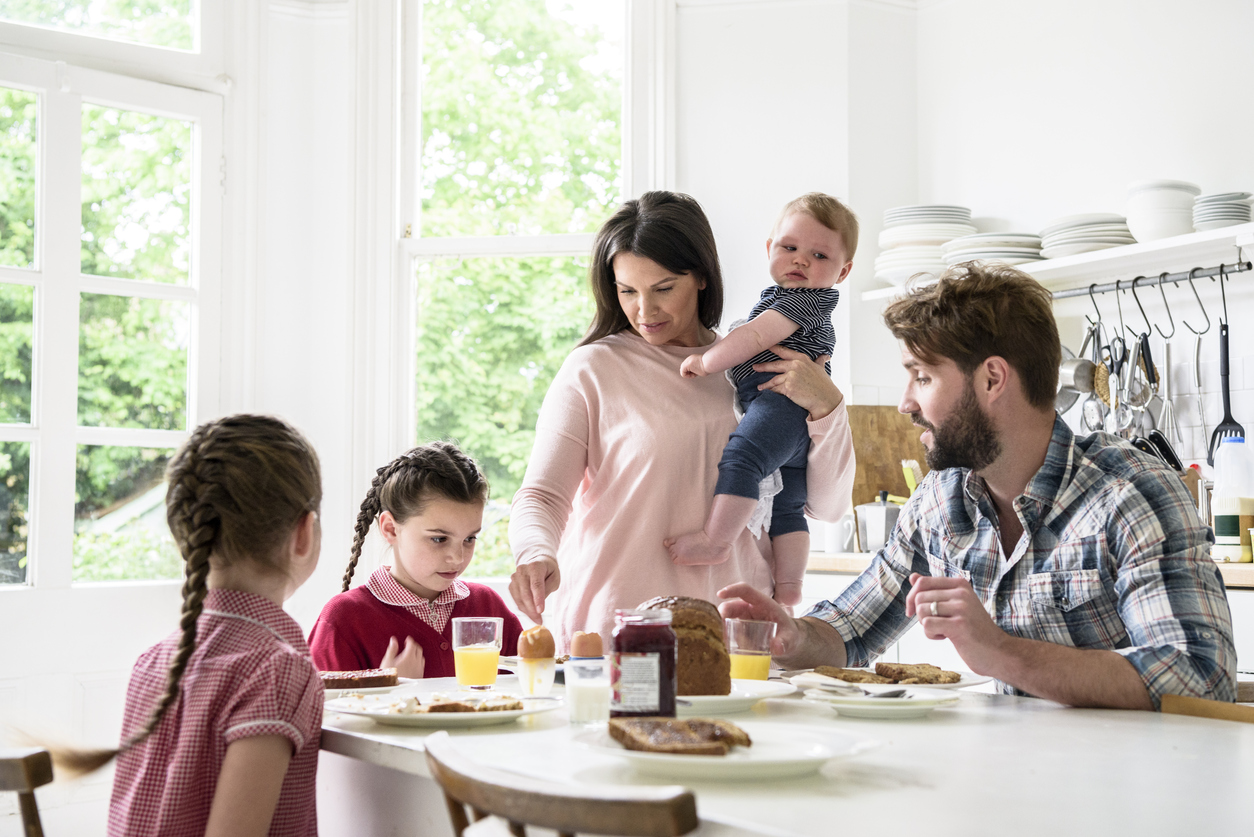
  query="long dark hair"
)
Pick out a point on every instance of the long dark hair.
point(669, 228)
point(407, 483)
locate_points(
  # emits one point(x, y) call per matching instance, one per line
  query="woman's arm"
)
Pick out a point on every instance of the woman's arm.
point(248, 786)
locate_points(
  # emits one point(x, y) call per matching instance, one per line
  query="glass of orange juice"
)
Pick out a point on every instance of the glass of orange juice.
point(477, 650)
point(749, 645)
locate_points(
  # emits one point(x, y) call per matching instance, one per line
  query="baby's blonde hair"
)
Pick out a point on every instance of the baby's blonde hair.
point(829, 212)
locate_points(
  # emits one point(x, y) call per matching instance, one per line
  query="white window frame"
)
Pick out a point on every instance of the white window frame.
point(53, 431)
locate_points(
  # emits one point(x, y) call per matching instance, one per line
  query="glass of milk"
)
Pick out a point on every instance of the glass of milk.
point(587, 690)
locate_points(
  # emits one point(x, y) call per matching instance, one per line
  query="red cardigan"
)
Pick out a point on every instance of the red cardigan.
point(353, 630)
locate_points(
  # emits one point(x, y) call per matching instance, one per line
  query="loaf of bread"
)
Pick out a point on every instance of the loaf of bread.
point(365, 679)
point(703, 665)
point(686, 736)
point(915, 673)
point(850, 675)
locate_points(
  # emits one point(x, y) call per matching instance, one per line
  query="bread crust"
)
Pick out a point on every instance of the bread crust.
point(704, 668)
point(686, 736)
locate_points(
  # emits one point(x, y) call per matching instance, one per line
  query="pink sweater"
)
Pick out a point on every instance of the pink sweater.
point(626, 454)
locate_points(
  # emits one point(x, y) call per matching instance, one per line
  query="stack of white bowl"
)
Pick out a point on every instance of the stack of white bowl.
point(1225, 210)
point(1004, 247)
point(1160, 208)
point(1084, 233)
point(912, 237)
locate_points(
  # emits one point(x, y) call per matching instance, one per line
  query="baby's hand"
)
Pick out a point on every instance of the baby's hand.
point(692, 367)
point(408, 663)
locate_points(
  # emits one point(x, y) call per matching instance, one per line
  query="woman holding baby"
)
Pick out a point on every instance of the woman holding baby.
point(627, 449)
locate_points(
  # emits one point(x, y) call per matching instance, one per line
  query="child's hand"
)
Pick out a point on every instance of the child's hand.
point(692, 367)
point(408, 663)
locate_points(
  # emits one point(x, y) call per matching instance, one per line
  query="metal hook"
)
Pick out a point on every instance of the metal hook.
point(1148, 324)
point(1223, 295)
point(1199, 305)
point(1166, 308)
point(1093, 300)
point(1119, 306)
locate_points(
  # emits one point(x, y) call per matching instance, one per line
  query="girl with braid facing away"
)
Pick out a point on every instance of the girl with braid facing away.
point(223, 718)
point(429, 506)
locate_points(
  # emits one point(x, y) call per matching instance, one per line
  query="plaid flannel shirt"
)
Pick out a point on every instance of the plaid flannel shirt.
point(1113, 556)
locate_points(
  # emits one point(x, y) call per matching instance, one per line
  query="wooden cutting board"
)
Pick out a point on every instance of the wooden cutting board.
point(882, 437)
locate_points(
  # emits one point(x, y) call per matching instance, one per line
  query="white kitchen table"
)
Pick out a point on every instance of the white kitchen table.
point(990, 764)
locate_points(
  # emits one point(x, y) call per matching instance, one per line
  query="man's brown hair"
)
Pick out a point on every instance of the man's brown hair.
point(829, 212)
point(976, 311)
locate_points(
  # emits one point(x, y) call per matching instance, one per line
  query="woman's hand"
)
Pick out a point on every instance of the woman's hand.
point(408, 663)
point(803, 381)
point(531, 583)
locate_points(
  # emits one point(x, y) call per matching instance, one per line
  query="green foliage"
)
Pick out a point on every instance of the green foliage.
point(17, 177)
point(14, 485)
point(137, 553)
point(166, 23)
point(520, 135)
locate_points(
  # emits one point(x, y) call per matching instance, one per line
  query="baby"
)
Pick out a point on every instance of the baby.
point(809, 251)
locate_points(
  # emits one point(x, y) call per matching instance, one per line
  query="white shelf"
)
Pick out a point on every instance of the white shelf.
point(1181, 252)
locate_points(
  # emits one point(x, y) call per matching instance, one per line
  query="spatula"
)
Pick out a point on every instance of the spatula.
point(1228, 427)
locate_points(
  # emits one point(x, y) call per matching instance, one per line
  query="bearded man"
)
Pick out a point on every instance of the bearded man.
point(1073, 569)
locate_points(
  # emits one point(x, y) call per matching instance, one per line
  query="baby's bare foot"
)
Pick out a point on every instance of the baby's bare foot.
point(696, 549)
point(788, 592)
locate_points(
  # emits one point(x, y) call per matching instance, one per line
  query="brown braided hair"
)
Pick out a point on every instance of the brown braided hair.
point(406, 484)
point(237, 489)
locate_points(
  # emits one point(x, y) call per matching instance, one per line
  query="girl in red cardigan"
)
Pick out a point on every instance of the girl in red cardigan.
point(429, 504)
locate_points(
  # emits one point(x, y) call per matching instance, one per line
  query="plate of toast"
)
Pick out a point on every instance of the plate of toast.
point(915, 703)
point(744, 694)
point(685, 748)
point(439, 712)
point(884, 676)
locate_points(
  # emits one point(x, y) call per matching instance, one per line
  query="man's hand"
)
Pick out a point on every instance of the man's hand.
point(531, 583)
point(693, 367)
point(408, 663)
point(744, 601)
point(949, 609)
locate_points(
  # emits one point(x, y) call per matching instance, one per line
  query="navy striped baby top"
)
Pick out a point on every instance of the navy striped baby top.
point(811, 310)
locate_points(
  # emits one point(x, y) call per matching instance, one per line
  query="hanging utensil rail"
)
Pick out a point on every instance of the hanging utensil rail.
point(1151, 281)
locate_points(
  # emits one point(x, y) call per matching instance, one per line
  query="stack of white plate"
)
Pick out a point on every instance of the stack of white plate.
point(1228, 209)
point(1083, 233)
point(1008, 248)
point(1160, 208)
point(912, 238)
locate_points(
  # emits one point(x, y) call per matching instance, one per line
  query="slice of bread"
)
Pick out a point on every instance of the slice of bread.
point(364, 679)
point(687, 736)
point(850, 675)
point(916, 673)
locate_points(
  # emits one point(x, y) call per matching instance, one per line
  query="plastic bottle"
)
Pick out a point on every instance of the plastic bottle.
point(1232, 502)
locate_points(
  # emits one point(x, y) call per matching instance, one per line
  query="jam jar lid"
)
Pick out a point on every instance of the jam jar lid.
point(660, 616)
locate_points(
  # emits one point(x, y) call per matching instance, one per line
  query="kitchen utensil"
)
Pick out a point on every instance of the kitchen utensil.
point(1159, 440)
point(1064, 396)
point(1143, 444)
point(1136, 388)
point(1228, 427)
point(1197, 381)
point(1076, 374)
point(1167, 416)
point(876, 522)
point(1093, 410)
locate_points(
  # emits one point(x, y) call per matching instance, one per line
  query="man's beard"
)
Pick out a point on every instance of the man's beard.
point(964, 440)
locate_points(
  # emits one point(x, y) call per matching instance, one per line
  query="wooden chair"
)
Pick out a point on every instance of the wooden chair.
point(1203, 708)
point(627, 811)
point(23, 771)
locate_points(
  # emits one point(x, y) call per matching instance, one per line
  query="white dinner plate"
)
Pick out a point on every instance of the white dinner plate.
point(776, 753)
point(1202, 226)
point(744, 694)
point(915, 703)
point(1222, 197)
point(376, 709)
point(813, 680)
point(1073, 249)
point(1087, 219)
point(401, 682)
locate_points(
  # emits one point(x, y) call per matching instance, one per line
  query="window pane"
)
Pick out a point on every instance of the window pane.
point(17, 314)
point(17, 177)
point(491, 335)
point(521, 116)
point(165, 23)
point(132, 362)
point(137, 184)
point(120, 531)
point(14, 501)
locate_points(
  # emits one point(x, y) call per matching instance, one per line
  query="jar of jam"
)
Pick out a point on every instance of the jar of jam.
point(642, 664)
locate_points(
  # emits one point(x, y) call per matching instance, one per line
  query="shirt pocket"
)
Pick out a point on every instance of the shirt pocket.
point(1073, 607)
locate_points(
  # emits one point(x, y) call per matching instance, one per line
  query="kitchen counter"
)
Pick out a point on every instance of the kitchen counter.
point(992, 763)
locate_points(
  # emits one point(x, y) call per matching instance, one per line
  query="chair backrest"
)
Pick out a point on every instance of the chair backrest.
point(1203, 708)
point(24, 770)
point(628, 811)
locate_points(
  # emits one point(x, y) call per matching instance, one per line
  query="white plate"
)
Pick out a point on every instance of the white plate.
point(1069, 221)
point(916, 703)
point(332, 694)
point(744, 694)
point(1073, 249)
point(992, 251)
point(1201, 226)
point(375, 708)
point(811, 680)
point(1222, 197)
point(776, 753)
point(1009, 260)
